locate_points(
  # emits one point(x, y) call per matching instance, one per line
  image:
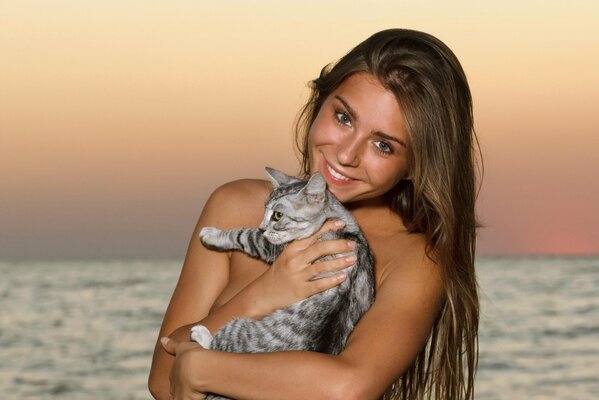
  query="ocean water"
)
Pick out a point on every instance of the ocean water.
point(539, 336)
point(86, 330)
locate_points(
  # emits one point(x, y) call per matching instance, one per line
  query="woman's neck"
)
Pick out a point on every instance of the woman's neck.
point(375, 214)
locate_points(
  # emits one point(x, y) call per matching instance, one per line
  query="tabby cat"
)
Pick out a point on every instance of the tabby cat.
point(295, 210)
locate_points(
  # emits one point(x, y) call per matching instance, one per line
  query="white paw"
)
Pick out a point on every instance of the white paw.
point(202, 335)
point(209, 235)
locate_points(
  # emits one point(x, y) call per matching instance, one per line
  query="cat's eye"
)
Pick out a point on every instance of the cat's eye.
point(276, 216)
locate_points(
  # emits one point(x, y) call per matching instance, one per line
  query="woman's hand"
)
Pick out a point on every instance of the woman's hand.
point(185, 374)
point(290, 278)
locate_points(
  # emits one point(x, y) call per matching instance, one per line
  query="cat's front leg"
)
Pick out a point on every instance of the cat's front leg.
point(216, 239)
point(248, 240)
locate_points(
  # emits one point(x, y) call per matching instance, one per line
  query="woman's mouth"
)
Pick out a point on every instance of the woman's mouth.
point(334, 176)
point(337, 174)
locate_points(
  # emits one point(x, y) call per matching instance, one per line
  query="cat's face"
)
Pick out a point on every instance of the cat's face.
point(358, 140)
point(294, 210)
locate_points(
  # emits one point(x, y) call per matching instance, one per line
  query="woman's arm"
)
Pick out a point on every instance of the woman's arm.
point(205, 274)
point(381, 348)
point(203, 277)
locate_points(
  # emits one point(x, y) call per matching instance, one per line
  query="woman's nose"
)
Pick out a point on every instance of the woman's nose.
point(348, 152)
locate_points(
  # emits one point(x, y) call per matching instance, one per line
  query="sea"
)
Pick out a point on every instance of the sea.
point(86, 329)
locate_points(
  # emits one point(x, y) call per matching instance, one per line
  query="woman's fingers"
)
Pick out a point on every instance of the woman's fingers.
point(291, 276)
point(175, 347)
point(169, 345)
point(332, 265)
point(322, 284)
point(181, 385)
point(327, 248)
point(328, 226)
point(334, 278)
point(303, 252)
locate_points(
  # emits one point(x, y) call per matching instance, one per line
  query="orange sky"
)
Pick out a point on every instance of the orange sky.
point(117, 119)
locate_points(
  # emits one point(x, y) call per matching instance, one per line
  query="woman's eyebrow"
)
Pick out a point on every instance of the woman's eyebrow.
point(350, 110)
point(390, 138)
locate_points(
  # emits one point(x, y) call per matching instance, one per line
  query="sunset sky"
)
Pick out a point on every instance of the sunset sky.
point(117, 119)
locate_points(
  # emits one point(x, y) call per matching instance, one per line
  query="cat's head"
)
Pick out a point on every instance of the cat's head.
point(295, 208)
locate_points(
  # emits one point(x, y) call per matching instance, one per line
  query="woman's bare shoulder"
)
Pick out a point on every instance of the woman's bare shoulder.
point(237, 203)
point(404, 255)
point(250, 188)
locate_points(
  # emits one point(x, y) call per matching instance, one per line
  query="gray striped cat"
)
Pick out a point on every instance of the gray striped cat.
point(295, 210)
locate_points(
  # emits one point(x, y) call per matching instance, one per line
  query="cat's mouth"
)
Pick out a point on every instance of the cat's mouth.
point(273, 237)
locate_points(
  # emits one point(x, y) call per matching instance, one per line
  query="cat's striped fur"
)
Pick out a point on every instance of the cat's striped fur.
point(294, 210)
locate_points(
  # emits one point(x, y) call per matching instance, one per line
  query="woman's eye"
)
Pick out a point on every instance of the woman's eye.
point(343, 118)
point(276, 216)
point(384, 147)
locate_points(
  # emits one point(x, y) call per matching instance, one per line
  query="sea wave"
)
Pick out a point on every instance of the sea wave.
point(86, 330)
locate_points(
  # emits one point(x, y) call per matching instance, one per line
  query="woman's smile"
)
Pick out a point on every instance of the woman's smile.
point(333, 176)
point(358, 141)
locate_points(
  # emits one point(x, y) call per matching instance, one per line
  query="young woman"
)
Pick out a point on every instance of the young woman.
point(390, 128)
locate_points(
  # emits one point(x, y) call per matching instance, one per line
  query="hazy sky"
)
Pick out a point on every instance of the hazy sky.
point(117, 119)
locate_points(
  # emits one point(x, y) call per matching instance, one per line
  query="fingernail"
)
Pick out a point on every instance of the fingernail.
point(351, 244)
point(164, 340)
point(341, 276)
point(351, 258)
point(339, 223)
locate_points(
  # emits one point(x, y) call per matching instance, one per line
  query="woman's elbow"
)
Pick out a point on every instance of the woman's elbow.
point(350, 391)
point(159, 389)
point(348, 385)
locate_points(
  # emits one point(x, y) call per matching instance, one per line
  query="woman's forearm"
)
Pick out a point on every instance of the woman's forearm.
point(244, 304)
point(241, 305)
point(283, 375)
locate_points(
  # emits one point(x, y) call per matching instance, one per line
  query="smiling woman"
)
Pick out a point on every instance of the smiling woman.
point(348, 143)
point(390, 128)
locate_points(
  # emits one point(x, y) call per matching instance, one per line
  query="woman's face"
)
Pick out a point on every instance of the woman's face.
point(358, 140)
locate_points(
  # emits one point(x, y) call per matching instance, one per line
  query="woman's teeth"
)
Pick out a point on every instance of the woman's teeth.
point(336, 174)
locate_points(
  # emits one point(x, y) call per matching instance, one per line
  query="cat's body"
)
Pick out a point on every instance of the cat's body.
point(295, 210)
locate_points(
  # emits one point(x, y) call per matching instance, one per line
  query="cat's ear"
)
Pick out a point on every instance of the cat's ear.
point(315, 188)
point(279, 178)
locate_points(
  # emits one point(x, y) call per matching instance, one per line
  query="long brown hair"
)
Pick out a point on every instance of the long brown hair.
point(438, 199)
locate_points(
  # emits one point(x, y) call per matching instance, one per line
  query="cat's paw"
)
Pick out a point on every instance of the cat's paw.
point(201, 335)
point(210, 236)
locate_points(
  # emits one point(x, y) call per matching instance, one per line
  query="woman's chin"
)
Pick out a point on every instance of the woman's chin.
point(341, 195)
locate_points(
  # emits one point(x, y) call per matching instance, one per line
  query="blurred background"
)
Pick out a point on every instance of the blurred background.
point(118, 119)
